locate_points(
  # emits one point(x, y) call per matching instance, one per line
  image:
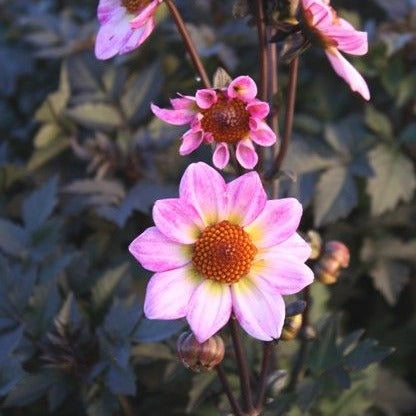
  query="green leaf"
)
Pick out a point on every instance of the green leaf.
point(378, 122)
point(200, 384)
point(96, 116)
point(44, 154)
point(156, 330)
point(13, 238)
point(10, 374)
point(365, 353)
point(393, 181)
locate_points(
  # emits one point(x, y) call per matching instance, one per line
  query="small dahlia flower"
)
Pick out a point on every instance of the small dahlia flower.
point(336, 34)
point(222, 249)
point(125, 25)
point(228, 116)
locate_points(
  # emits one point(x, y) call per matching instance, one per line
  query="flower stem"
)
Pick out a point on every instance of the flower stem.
point(189, 44)
point(242, 366)
point(227, 389)
point(125, 405)
point(290, 111)
point(265, 365)
point(263, 56)
point(274, 87)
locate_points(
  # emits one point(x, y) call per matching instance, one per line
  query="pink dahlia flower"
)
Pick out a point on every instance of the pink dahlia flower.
point(336, 34)
point(226, 117)
point(125, 25)
point(222, 249)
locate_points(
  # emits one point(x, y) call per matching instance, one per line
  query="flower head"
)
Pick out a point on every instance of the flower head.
point(336, 34)
point(125, 25)
point(222, 249)
point(227, 117)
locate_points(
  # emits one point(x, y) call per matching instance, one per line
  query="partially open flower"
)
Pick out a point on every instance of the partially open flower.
point(231, 116)
point(125, 25)
point(335, 257)
point(291, 327)
point(200, 357)
point(335, 34)
point(220, 249)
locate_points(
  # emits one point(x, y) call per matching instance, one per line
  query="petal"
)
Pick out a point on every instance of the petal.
point(258, 308)
point(246, 154)
point(155, 252)
point(175, 117)
point(283, 271)
point(242, 87)
point(138, 36)
point(261, 133)
point(277, 222)
point(221, 156)
point(258, 109)
point(191, 141)
point(353, 41)
point(295, 245)
point(346, 71)
point(206, 98)
point(147, 13)
point(246, 198)
point(204, 188)
point(209, 309)
point(109, 9)
point(177, 220)
point(322, 17)
point(168, 293)
point(183, 103)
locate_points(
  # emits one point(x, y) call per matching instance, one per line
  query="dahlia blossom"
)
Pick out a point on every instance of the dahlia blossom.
point(336, 34)
point(227, 116)
point(222, 249)
point(125, 25)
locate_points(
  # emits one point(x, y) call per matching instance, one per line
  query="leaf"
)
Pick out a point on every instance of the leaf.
point(336, 195)
point(44, 154)
point(10, 374)
point(121, 380)
point(10, 336)
point(111, 188)
point(378, 122)
point(156, 330)
point(393, 181)
point(350, 341)
point(96, 116)
point(13, 238)
point(200, 383)
point(39, 205)
point(389, 278)
point(365, 353)
point(308, 391)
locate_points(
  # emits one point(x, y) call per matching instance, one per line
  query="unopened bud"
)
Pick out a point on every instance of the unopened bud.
point(291, 327)
point(200, 357)
point(315, 241)
point(335, 257)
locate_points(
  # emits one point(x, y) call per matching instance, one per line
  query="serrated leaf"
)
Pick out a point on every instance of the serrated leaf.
point(46, 135)
point(378, 122)
point(393, 181)
point(336, 195)
point(156, 330)
point(44, 154)
point(365, 353)
point(96, 116)
point(39, 205)
point(13, 238)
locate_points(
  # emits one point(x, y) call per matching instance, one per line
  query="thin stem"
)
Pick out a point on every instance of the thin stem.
point(242, 367)
point(125, 405)
point(189, 44)
point(227, 389)
point(265, 365)
point(290, 111)
point(274, 87)
point(263, 56)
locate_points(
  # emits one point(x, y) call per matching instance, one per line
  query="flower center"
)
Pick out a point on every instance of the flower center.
point(223, 252)
point(133, 6)
point(227, 120)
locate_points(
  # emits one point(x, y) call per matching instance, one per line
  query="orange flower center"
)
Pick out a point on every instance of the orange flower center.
point(223, 252)
point(227, 120)
point(133, 6)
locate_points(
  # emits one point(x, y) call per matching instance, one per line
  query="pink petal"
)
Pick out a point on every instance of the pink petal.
point(183, 103)
point(322, 17)
point(260, 310)
point(246, 199)
point(206, 98)
point(155, 252)
point(283, 271)
point(221, 155)
point(346, 71)
point(295, 245)
point(353, 42)
point(246, 154)
point(276, 223)
point(258, 109)
point(147, 13)
point(209, 138)
point(111, 36)
point(168, 293)
point(209, 309)
point(204, 188)
point(108, 9)
point(191, 141)
point(242, 87)
point(177, 220)
point(175, 117)
point(261, 133)
point(138, 36)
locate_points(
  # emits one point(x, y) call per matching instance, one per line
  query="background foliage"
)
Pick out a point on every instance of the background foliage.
point(82, 160)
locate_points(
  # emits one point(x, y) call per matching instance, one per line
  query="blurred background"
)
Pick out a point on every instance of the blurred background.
point(82, 160)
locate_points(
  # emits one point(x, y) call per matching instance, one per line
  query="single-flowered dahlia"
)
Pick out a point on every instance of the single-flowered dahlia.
point(125, 25)
point(222, 249)
point(335, 34)
point(231, 116)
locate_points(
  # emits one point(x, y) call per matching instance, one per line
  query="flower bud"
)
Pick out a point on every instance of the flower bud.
point(291, 327)
point(200, 357)
point(335, 257)
point(315, 241)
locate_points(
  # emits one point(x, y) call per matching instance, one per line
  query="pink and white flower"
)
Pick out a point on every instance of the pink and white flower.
point(125, 25)
point(228, 117)
point(336, 34)
point(221, 250)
